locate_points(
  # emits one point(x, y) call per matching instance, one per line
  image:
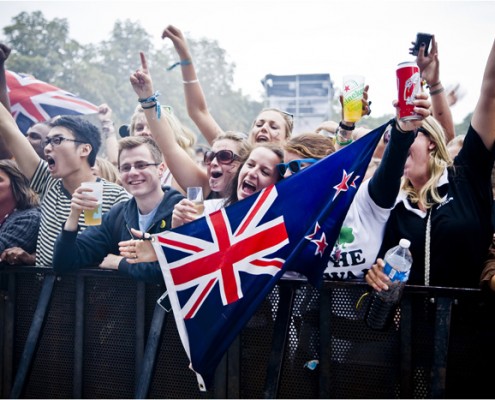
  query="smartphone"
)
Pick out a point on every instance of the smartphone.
point(421, 38)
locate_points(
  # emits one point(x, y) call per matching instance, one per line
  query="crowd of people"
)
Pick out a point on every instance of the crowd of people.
point(424, 183)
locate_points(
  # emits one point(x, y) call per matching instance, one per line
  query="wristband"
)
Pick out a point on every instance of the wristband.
point(345, 127)
point(152, 99)
point(435, 84)
point(148, 107)
point(438, 91)
point(181, 62)
point(343, 142)
point(189, 82)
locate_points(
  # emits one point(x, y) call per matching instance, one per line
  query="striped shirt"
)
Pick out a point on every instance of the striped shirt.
point(55, 209)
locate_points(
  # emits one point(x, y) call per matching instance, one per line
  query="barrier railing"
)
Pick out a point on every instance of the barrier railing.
point(96, 334)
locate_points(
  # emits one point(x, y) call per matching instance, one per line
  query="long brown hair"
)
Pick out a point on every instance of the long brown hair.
point(24, 196)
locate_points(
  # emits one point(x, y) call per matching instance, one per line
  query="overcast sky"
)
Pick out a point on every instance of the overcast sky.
point(286, 37)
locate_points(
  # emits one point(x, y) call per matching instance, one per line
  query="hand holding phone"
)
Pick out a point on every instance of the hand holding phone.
point(421, 38)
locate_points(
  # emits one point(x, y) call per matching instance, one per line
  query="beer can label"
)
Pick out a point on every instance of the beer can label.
point(408, 85)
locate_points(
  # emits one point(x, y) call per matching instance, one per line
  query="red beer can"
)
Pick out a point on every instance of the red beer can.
point(408, 85)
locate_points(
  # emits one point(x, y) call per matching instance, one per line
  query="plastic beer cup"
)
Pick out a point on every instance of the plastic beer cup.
point(408, 85)
point(353, 89)
point(93, 217)
point(195, 194)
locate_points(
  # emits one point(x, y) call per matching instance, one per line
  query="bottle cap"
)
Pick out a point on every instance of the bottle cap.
point(404, 243)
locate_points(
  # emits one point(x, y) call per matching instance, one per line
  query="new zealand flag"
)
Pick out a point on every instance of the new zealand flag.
point(218, 269)
point(33, 101)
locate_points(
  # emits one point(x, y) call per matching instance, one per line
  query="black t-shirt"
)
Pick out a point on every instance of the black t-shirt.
point(461, 226)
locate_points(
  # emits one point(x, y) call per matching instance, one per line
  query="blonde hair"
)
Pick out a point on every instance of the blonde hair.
point(107, 170)
point(288, 119)
point(243, 146)
point(440, 159)
point(184, 136)
point(310, 145)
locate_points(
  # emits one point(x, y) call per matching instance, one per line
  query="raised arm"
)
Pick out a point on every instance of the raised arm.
point(195, 98)
point(109, 134)
point(26, 157)
point(184, 169)
point(429, 66)
point(4, 96)
point(483, 120)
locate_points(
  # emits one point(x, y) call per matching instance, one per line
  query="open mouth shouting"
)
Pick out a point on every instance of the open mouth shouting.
point(261, 137)
point(215, 179)
point(51, 163)
point(247, 188)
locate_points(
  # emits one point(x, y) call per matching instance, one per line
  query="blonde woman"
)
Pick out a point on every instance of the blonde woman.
point(271, 124)
point(444, 209)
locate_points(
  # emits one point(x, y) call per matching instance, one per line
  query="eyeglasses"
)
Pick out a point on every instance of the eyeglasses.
point(294, 166)
point(56, 140)
point(222, 156)
point(139, 165)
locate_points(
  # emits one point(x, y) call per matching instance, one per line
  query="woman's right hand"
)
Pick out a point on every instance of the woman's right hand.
point(376, 278)
point(183, 213)
point(141, 80)
point(422, 107)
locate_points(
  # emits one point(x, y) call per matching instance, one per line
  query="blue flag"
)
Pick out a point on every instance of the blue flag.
point(219, 269)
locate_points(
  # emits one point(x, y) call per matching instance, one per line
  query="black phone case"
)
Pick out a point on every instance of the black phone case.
point(422, 38)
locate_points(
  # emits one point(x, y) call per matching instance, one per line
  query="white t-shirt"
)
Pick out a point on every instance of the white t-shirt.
point(360, 238)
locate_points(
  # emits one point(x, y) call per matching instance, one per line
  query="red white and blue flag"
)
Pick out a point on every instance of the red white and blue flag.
point(219, 269)
point(33, 101)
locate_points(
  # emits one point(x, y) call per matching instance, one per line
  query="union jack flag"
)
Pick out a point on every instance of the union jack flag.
point(218, 269)
point(32, 101)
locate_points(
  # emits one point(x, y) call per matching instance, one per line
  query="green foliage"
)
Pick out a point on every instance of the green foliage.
point(462, 128)
point(100, 72)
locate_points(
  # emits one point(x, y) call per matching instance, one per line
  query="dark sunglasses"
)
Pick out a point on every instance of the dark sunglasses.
point(422, 130)
point(294, 166)
point(222, 156)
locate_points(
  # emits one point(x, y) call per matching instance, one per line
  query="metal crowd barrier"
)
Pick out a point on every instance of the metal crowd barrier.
point(96, 334)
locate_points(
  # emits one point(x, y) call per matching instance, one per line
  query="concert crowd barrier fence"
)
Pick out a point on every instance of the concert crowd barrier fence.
point(97, 334)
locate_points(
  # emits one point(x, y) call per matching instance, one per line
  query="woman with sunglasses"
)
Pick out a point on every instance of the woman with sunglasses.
point(271, 124)
point(257, 172)
point(228, 150)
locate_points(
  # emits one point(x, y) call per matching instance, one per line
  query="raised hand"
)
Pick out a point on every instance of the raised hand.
point(422, 107)
point(4, 53)
point(178, 40)
point(429, 65)
point(141, 80)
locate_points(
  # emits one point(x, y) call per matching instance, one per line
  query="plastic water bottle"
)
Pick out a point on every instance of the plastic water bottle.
point(382, 306)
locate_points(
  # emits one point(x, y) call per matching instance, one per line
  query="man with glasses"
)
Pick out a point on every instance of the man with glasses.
point(70, 149)
point(149, 210)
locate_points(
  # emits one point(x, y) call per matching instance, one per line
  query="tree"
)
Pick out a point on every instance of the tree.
point(100, 72)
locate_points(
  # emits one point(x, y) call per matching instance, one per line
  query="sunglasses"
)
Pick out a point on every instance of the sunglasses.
point(294, 166)
point(222, 156)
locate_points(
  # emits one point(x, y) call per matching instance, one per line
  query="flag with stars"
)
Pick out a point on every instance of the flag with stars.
point(33, 101)
point(218, 269)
